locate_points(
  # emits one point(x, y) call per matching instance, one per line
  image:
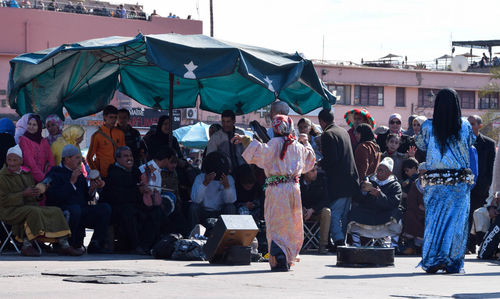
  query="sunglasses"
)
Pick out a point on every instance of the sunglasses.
point(395, 122)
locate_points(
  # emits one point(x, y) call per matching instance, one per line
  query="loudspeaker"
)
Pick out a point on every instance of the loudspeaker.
point(348, 256)
point(230, 230)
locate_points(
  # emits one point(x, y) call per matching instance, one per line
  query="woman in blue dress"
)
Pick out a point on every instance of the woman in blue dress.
point(447, 182)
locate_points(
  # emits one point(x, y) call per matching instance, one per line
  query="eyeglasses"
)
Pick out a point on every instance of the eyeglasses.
point(395, 122)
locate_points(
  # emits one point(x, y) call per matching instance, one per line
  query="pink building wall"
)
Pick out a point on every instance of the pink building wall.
point(30, 30)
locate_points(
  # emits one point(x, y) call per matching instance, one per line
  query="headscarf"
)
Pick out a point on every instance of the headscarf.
point(7, 126)
point(421, 119)
point(161, 120)
point(37, 136)
point(16, 150)
point(21, 125)
point(72, 133)
point(283, 127)
point(54, 118)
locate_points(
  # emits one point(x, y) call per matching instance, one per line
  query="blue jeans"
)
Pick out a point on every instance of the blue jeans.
point(338, 226)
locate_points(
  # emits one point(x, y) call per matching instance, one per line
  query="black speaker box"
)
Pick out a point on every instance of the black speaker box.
point(230, 230)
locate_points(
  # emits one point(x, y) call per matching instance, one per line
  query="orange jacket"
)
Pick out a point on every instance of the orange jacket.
point(101, 152)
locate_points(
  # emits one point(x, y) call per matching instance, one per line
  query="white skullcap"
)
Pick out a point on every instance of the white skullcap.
point(16, 150)
point(388, 162)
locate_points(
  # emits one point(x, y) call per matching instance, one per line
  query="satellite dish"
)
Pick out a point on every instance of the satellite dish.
point(459, 64)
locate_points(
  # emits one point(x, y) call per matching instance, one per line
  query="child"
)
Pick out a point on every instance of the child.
point(414, 216)
point(392, 142)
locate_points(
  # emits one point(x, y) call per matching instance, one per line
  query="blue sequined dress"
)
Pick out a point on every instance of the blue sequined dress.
point(446, 206)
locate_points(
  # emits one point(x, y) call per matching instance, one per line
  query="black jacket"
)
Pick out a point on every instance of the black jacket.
point(315, 194)
point(61, 192)
point(338, 162)
point(370, 210)
point(486, 157)
point(121, 186)
point(6, 142)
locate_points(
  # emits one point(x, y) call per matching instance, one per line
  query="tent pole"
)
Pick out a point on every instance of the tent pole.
point(170, 108)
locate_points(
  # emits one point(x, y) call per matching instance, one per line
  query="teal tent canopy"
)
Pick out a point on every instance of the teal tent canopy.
point(162, 71)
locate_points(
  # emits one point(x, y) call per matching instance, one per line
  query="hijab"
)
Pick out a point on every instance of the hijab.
point(37, 136)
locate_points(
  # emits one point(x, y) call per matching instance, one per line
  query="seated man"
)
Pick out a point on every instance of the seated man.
point(213, 191)
point(158, 201)
point(175, 222)
point(249, 194)
point(487, 227)
point(314, 195)
point(123, 193)
point(19, 208)
point(69, 191)
point(376, 213)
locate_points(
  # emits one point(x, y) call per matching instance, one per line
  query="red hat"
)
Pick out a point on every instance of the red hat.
point(349, 116)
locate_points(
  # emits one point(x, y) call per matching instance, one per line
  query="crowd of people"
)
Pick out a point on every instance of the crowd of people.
point(79, 7)
point(426, 190)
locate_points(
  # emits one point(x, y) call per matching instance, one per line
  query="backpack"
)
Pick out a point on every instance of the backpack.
point(165, 247)
point(189, 250)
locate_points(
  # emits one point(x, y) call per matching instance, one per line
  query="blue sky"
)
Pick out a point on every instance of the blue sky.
point(421, 30)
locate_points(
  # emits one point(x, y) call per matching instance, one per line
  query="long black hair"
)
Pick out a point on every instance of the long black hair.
point(446, 122)
point(366, 133)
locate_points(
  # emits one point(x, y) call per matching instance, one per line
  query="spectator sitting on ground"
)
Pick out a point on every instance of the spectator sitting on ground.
point(133, 222)
point(213, 192)
point(19, 208)
point(69, 191)
point(489, 246)
point(314, 195)
point(376, 213)
point(249, 194)
point(159, 202)
point(175, 222)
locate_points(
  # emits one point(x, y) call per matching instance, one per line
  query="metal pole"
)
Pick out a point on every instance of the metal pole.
point(170, 108)
point(211, 19)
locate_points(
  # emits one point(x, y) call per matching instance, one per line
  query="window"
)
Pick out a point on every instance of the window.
point(400, 97)
point(3, 103)
point(343, 93)
point(3, 92)
point(369, 95)
point(467, 99)
point(489, 101)
point(426, 97)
